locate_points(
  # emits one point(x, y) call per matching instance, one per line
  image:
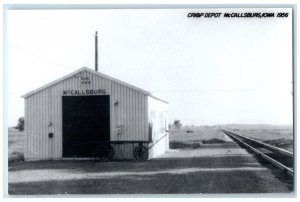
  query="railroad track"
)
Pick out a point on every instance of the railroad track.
point(280, 158)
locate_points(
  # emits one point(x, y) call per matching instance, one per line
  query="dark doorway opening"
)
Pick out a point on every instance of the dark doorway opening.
point(86, 120)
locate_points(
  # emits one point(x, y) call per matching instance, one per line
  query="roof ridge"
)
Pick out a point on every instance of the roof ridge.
point(78, 71)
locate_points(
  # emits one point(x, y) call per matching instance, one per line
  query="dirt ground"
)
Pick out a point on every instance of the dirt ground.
point(213, 168)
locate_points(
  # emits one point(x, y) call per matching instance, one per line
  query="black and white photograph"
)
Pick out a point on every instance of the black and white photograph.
point(147, 101)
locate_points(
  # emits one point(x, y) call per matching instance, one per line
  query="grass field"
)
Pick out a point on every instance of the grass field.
point(193, 137)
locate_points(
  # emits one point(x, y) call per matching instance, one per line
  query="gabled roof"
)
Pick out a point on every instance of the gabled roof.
point(93, 72)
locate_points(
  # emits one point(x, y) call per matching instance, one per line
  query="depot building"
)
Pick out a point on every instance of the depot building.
point(70, 117)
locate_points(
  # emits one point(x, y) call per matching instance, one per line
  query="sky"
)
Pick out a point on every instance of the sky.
point(210, 70)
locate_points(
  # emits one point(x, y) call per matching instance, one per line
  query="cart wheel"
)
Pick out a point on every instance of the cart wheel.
point(101, 153)
point(140, 153)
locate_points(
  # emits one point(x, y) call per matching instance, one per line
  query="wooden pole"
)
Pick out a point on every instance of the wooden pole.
point(96, 51)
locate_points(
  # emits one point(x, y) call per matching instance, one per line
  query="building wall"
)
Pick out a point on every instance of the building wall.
point(128, 109)
point(158, 121)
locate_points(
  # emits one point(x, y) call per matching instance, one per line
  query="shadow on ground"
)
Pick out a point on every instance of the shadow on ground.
point(196, 182)
point(209, 174)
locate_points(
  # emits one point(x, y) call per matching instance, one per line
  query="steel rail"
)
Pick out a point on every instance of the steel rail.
point(271, 160)
point(268, 146)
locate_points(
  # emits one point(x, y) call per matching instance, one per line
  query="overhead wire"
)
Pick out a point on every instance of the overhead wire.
point(154, 91)
point(210, 90)
point(40, 57)
point(47, 60)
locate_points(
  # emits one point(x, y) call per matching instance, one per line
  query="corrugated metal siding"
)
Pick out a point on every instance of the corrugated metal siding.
point(46, 106)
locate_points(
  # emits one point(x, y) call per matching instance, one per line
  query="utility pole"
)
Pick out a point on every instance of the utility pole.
point(96, 51)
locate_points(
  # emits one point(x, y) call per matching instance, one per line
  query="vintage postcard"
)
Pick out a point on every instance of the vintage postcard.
point(106, 101)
